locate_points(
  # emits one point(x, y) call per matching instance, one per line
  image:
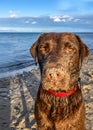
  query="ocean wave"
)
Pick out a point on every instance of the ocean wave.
point(15, 66)
point(18, 71)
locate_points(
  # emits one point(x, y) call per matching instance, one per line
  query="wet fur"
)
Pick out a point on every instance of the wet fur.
point(63, 52)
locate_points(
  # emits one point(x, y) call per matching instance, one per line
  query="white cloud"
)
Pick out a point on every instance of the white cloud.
point(56, 18)
point(64, 18)
point(67, 17)
point(3, 28)
point(76, 20)
point(15, 29)
point(34, 22)
point(13, 14)
point(28, 22)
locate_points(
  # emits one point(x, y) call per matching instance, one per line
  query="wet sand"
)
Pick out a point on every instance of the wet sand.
point(18, 93)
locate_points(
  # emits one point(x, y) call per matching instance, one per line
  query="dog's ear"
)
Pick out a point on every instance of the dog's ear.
point(83, 50)
point(33, 51)
point(34, 47)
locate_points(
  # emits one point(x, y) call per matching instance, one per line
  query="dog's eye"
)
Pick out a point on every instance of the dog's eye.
point(44, 48)
point(68, 48)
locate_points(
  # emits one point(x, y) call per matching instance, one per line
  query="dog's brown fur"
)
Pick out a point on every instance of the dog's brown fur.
point(60, 57)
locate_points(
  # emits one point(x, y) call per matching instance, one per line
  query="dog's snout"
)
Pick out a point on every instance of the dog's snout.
point(54, 74)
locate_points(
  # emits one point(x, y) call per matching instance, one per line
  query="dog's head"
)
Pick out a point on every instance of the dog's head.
point(60, 57)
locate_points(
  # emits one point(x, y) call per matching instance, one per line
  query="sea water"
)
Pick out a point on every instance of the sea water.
point(15, 54)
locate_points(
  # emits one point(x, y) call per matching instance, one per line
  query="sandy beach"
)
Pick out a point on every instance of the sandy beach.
point(18, 93)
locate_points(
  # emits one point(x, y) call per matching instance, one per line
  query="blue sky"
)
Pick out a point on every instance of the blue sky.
point(46, 15)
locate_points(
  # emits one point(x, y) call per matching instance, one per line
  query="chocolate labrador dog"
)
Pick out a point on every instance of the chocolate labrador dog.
point(59, 104)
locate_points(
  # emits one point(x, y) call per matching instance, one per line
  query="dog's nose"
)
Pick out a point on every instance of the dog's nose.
point(54, 74)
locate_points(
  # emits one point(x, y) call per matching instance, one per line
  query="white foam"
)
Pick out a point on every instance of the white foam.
point(15, 72)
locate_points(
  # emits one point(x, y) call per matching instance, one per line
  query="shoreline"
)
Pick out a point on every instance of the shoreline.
point(18, 71)
point(18, 94)
point(22, 70)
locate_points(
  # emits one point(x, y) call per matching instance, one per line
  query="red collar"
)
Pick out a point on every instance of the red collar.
point(62, 94)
